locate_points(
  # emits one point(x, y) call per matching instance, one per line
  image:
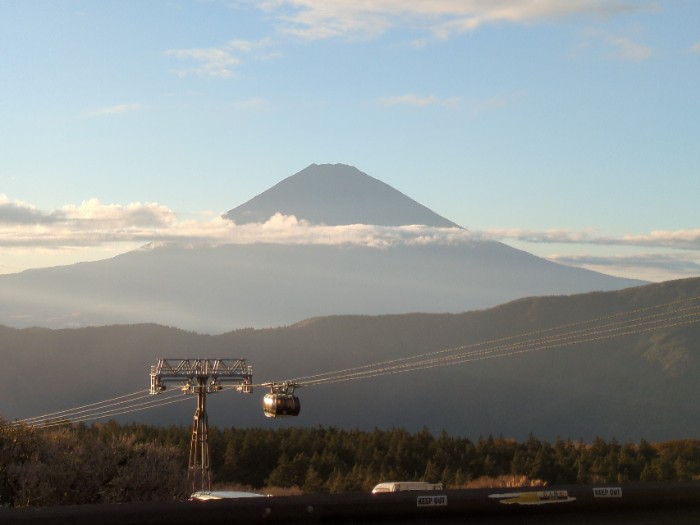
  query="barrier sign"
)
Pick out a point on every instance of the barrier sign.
point(607, 492)
point(432, 501)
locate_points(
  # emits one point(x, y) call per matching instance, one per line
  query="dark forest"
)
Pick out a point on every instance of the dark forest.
point(113, 463)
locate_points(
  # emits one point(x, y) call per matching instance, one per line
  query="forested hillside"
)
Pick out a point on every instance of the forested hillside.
point(120, 463)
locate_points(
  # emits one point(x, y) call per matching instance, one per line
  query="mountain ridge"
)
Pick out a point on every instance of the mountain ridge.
point(640, 385)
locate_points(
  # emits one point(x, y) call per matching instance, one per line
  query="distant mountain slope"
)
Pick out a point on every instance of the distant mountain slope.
point(215, 289)
point(642, 385)
point(335, 194)
point(218, 288)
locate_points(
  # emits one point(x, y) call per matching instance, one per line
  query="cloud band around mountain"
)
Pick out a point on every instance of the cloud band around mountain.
point(93, 224)
point(150, 222)
point(686, 239)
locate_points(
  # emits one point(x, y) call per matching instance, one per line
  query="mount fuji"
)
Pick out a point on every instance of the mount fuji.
point(337, 195)
point(360, 247)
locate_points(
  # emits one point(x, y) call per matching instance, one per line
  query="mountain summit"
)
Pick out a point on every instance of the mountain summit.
point(337, 194)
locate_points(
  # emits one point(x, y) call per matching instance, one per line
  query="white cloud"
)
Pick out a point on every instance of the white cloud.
point(249, 46)
point(251, 104)
point(629, 50)
point(677, 262)
point(645, 266)
point(411, 99)
point(90, 223)
point(213, 62)
point(17, 212)
point(614, 47)
point(114, 110)
point(218, 62)
point(678, 239)
point(94, 223)
point(91, 230)
point(96, 215)
point(695, 48)
point(669, 254)
point(684, 239)
point(319, 19)
point(290, 230)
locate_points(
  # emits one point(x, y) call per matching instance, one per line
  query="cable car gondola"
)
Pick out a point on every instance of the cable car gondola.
point(281, 401)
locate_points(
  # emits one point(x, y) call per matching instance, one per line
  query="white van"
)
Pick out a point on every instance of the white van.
point(399, 486)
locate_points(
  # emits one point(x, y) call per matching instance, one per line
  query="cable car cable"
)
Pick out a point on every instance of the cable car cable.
point(586, 335)
point(459, 359)
point(106, 402)
point(320, 377)
point(116, 412)
point(494, 352)
point(69, 415)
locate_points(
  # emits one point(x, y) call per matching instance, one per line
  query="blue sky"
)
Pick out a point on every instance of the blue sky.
point(567, 128)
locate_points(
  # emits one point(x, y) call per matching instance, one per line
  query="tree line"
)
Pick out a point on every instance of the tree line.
point(114, 463)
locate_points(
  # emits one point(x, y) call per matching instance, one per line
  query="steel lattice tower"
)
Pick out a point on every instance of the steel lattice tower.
point(201, 377)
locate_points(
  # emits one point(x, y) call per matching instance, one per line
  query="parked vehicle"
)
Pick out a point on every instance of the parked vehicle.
point(399, 486)
point(222, 494)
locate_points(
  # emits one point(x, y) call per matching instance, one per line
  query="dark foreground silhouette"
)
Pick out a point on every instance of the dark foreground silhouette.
point(643, 503)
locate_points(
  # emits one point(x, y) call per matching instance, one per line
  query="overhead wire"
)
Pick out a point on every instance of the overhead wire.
point(105, 409)
point(156, 403)
point(492, 348)
point(501, 351)
point(489, 354)
point(312, 378)
point(100, 410)
point(83, 408)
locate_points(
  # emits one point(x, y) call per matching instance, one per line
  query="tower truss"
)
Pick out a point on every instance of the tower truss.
point(201, 377)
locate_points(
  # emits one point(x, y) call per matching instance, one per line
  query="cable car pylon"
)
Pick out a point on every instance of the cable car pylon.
point(201, 377)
